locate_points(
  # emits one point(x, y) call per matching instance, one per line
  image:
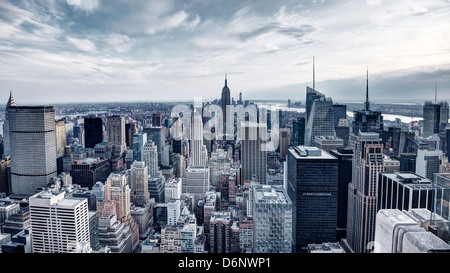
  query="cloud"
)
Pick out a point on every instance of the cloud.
point(82, 44)
point(373, 2)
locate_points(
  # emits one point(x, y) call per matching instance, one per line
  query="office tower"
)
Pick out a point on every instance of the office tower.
point(173, 211)
point(131, 128)
point(246, 236)
point(93, 131)
point(253, 154)
point(156, 120)
point(115, 128)
point(344, 156)
point(198, 153)
point(33, 147)
point(340, 112)
point(312, 184)
point(188, 237)
point(196, 181)
point(5, 176)
point(93, 230)
point(6, 134)
point(319, 118)
point(139, 183)
point(114, 234)
point(407, 162)
point(391, 141)
point(428, 162)
point(404, 191)
point(435, 117)
point(442, 197)
point(157, 135)
point(220, 232)
point(343, 132)
point(272, 218)
point(139, 140)
point(362, 198)
point(367, 120)
point(170, 239)
point(166, 155)
point(406, 232)
point(61, 138)
point(156, 187)
point(58, 224)
point(391, 165)
point(284, 142)
point(118, 193)
point(328, 143)
point(172, 189)
point(180, 165)
point(298, 131)
point(89, 171)
point(150, 157)
point(447, 141)
point(218, 163)
point(226, 102)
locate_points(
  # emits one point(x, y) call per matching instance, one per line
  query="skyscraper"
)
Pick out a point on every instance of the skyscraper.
point(226, 101)
point(312, 186)
point(435, 117)
point(253, 155)
point(428, 162)
point(340, 112)
point(89, 171)
point(93, 131)
point(116, 135)
point(6, 137)
point(140, 195)
point(284, 142)
point(272, 217)
point(362, 195)
point(58, 224)
point(33, 147)
point(61, 138)
point(319, 116)
point(298, 130)
point(198, 153)
point(367, 120)
point(150, 157)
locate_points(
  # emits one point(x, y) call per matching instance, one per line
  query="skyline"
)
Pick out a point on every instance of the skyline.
point(88, 51)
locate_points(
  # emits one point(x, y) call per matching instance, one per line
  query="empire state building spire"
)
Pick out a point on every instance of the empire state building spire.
point(367, 103)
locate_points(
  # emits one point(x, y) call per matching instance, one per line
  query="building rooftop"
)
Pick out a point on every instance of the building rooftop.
point(303, 152)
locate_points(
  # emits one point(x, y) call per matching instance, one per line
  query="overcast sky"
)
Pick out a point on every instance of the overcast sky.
point(111, 50)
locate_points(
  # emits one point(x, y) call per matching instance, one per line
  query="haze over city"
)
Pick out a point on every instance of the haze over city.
point(87, 51)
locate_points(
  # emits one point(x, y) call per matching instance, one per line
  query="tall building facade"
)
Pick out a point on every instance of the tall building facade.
point(272, 217)
point(428, 162)
point(93, 131)
point(32, 133)
point(226, 101)
point(6, 136)
point(61, 137)
point(89, 171)
point(284, 142)
point(253, 154)
point(362, 196)
point(115, 128)
point(312, 186)
point(58, 224)
point(198, 153)
point(298, 131)
point(435, 117)
point(140, 195)
point(320, 116)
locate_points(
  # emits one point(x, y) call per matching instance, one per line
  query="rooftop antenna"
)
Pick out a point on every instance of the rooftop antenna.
point(435, 92)
point(367, 91)
point(314, 75)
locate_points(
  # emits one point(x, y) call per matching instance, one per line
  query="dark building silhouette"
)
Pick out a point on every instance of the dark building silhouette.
point(86, 173)
point(156, 120)
point(344, 156)
point(298, 130)
point(93, 131)
point(340, 112)
point(225, 101)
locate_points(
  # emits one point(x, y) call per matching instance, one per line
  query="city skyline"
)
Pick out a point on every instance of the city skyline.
point(87, 51)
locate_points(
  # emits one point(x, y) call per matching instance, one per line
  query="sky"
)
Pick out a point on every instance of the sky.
point(57, 51)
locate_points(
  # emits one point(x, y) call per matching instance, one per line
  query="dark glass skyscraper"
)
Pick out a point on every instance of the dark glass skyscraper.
point(312, 185)
point(340, 112)
point(344, 156)
point(93, 131)
point(298, 129)
point(435, 117)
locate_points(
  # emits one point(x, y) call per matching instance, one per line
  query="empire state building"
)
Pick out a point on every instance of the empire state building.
point(226, 100)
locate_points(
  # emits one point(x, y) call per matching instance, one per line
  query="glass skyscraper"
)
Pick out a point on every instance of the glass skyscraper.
point(312, 186)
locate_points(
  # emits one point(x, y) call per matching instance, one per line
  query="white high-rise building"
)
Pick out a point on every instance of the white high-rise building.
point(32, 133)
point(58, 224)
point(150, 156)
point(139, 183)
point(198, 153)
point(428, 162)
point(172, 189)
point(253, 155)
point(115, 129)
point(196, 181)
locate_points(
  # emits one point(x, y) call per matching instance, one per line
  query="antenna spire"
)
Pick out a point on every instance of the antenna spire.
point(367, 91)
point(314, 75)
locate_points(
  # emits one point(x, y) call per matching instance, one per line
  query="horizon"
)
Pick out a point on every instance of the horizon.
point(80, 51)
